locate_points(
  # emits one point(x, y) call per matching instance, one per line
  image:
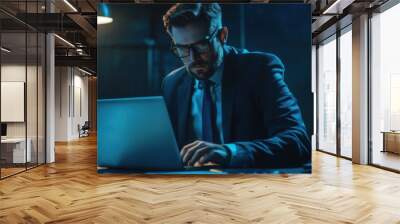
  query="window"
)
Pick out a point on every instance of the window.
point(385, 88)
point(335, 137)
point(346, 92)
point(327, 95)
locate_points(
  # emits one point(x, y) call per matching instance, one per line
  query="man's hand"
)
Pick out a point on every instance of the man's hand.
point(200, 152)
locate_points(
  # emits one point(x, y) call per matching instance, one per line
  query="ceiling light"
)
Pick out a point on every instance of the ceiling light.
point(84, 71)
point(104, 20)
point(337, 7)
point(328, 10)
point(104, 15)
point(70, 5)
point(5, 50)
point(65, 41)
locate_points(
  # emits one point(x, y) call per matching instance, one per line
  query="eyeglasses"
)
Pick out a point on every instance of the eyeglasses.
point(201, 46)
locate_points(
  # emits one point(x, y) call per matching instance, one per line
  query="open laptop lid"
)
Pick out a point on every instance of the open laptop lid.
point(136, 133)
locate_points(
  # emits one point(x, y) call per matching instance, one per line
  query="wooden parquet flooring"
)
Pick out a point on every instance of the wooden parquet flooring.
point(70, 191)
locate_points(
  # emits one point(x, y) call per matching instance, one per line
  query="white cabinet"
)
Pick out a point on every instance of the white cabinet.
point(17, 146)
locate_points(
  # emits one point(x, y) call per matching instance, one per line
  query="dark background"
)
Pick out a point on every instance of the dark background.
point(134, 55)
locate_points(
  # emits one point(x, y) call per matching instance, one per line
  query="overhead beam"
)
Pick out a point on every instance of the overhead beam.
point(337, 6)
point(84, 61)
point(80, 20)
point(49, 22)
point(84, 24)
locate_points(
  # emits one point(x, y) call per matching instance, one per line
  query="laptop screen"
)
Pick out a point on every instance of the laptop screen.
point(3, 129)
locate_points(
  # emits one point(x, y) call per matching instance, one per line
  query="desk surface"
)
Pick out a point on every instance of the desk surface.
point(390, 132)
point(295, 170)
point(13, 140)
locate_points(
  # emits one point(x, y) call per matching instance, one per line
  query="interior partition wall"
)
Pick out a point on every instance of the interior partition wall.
point(334, 94)
point(22, 77)
point(385, 87)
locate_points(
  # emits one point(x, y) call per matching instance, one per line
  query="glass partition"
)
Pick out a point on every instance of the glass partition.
point(41, 96)
point(327, 95)
point(22, 88)
point(385, 89)
point(346, 92)
point(14, 151)
point(31, 100)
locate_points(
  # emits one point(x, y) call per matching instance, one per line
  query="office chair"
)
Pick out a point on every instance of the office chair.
point(84, 130)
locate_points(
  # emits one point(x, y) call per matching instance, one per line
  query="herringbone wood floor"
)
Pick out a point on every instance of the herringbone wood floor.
point(70, 191)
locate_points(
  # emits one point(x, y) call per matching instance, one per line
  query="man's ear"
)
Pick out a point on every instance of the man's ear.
point(223, 35)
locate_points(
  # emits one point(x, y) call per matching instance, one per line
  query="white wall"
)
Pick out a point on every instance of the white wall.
point(81, 105)
point(16, 73)
point(9, 73)
point(71, 93)
point(33, 127)
point(62, 81)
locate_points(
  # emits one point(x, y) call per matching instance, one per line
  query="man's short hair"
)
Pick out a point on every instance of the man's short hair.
point(180, 15)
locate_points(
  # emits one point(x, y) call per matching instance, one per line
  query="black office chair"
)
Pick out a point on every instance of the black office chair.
point(84, 130)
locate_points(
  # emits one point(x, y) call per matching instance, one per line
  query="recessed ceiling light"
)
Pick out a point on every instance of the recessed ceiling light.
point(70, 5)
point(84, 71)
point(5, 50)
point(337, 7)
point(65, 41)
point(104, 20)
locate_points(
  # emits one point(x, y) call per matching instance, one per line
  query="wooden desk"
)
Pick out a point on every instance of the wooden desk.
point(13, 150)
point(391, 141)
point(306, 169)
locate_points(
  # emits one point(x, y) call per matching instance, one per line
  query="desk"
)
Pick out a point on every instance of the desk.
point(391, 141)
point(306, 169)
point(13, 150)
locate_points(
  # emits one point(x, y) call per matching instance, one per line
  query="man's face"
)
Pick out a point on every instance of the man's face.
point(201, 64)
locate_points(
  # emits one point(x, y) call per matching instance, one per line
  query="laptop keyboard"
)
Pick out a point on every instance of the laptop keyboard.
point(194, 168)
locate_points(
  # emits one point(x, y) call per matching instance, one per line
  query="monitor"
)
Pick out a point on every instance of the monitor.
point(3, 129)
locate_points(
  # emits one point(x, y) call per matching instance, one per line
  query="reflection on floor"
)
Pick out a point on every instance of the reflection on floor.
point(71, 191)
point(11, 169)
point(346, 152)
point(386, 159)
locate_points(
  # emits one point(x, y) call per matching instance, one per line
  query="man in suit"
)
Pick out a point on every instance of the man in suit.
point(229, 106)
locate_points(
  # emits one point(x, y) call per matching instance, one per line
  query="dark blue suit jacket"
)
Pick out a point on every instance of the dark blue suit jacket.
point(259, 113)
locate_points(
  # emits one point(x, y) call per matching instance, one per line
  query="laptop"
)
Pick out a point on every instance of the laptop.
point(136, 134)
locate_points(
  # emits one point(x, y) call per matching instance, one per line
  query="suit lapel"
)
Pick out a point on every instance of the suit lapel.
point(184, 102)
point(227, 95)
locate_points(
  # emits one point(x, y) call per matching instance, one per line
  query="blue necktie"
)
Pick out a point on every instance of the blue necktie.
point(208, 113)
